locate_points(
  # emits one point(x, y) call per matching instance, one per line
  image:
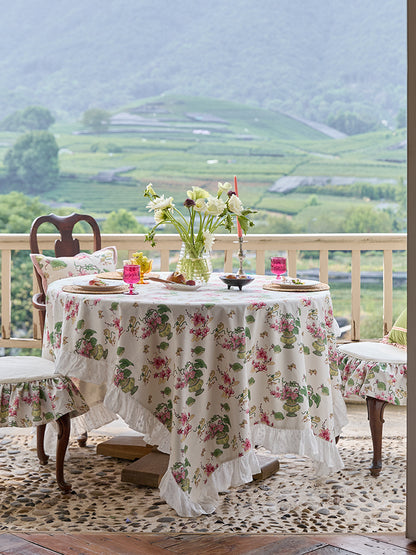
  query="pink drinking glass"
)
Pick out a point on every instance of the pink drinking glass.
point(131, 275)
point(278, 265)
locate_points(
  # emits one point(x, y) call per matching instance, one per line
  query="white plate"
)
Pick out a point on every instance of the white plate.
point(181, 286)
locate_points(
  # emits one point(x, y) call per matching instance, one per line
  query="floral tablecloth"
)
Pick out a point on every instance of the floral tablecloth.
point(207, 375)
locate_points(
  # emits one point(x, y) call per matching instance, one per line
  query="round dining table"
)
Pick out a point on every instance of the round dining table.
point(207, 374)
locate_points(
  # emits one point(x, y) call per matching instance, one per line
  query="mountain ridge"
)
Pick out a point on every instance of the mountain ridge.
point(275, 53)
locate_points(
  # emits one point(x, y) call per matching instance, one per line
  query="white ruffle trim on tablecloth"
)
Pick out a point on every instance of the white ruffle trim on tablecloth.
point(204, 500)
point(229, 474)
point(324, 454)
point(139, 418)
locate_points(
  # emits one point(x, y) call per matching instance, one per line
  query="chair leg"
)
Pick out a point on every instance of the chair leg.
point(375, 411)
point(40, 436)
point(64, 430)
point(82, 439)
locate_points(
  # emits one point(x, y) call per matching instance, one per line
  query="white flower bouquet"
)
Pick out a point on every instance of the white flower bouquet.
point(206, 214)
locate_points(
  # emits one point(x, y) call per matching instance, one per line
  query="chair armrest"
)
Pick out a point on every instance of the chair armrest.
point(39, 302)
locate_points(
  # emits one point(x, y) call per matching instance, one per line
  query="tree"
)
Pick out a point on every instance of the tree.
point(33, 162)
point(96, 119)
point(122, 221)
point(366, 219)
point(352, 124)
point(37, 117)
point(32, 118)
point(17, 213)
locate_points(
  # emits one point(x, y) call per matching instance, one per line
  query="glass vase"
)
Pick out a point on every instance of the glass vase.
point(198, 269)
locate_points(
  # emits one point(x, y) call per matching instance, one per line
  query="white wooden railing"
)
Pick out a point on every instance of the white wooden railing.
point(256, 247)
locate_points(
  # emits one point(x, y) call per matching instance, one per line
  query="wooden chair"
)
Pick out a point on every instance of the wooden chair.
point(375, 361)
point(67, 245)
point(31, 394)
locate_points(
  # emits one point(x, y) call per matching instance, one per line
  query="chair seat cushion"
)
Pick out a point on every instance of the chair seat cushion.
point(17, 369)
point(32, 394)
point(380, 352)
point(370, 369)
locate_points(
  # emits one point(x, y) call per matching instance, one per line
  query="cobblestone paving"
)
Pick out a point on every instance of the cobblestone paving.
point(290, 501)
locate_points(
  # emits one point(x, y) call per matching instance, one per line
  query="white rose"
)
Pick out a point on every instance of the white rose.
point(215, 206)
point(197, 193)
point(200, 205)
point(160, 203)
point(208, 240)
point(235, 205)
point(160, 216)
point(224, 187)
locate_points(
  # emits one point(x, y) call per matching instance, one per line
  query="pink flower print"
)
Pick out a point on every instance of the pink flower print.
point(290, 392)
point(283, 325)
point(213, 429)
point(325, 434)
point(198, 319)
point(161, 364)
point(315, 331)
point(179, 475)
point(306, 302)
point(261, 361)
point(209, 469)
point(184, 418)
point(265, 419)
point(276, 393)
point(117, 325)
point(257, 306)
point(247, 445)
point(152, 322)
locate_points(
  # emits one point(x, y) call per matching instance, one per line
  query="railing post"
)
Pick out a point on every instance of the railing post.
point(387, 291)
point(6, 296)
point(323, 266)
point(291, 263)
point(355, 294)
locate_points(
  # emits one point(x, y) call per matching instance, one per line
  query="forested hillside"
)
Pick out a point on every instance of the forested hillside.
point(311, 59)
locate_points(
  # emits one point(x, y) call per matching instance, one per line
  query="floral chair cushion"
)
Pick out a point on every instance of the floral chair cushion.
point(50, 269)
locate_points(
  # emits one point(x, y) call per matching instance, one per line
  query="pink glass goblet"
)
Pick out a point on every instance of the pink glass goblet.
point(131, 275)
point(278, 265)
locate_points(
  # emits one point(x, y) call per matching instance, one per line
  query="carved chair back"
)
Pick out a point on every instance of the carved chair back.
point(67, 245)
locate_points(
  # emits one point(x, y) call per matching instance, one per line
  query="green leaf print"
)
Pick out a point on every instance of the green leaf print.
point(190, 401)
point(198, 350)
point(325, 390)
point(114, 306)
point(124, 363)
point(381, 386)
point(250, 319)
point(236, 367)
point(120, 351)
point(80, 324)
point(247, 332)
point(162, 308)
point(58, 264)
point(278, 415)
point(217, 453)
point(163, 346)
